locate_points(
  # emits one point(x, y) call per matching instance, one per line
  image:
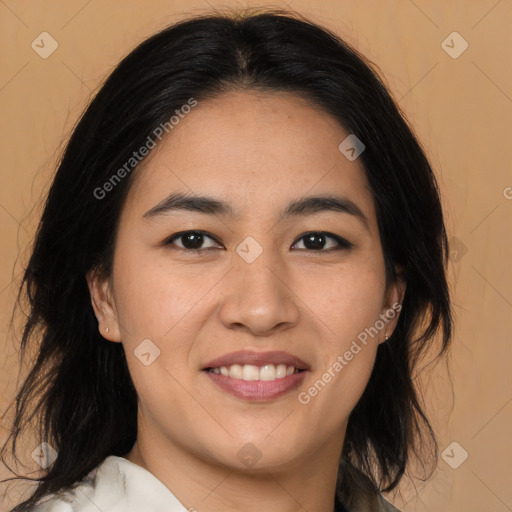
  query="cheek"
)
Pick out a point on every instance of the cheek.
point(346, 304)
point(338, 385)
point(152, 298)
point(347, 301)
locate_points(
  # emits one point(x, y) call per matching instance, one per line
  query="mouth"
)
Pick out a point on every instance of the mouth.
point(257, 376)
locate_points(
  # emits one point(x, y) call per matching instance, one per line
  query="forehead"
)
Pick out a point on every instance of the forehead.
point(257, 151)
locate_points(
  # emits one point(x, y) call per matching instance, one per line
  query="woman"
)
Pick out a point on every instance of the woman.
point(240, 262)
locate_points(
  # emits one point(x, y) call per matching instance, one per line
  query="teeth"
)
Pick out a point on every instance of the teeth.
point(250, 372)
point(281, 371)
point(268, 372)
point(235, 371)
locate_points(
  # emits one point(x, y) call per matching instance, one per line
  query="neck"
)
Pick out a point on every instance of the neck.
point(308, 483)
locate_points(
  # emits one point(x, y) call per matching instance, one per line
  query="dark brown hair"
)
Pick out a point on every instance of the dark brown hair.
point(78, 385)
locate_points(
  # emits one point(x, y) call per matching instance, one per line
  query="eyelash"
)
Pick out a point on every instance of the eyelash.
point(342, 243)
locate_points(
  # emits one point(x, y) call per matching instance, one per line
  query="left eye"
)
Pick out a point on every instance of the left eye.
point(312, 241)
point(316, 240)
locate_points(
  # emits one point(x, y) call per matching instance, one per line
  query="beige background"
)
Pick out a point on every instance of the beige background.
point(461, 109)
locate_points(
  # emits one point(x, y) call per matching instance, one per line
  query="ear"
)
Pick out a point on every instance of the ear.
point(392, 306)
point(102, 300)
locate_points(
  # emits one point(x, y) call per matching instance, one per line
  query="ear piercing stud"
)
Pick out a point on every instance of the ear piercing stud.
point(387, 337)
point(106, 330)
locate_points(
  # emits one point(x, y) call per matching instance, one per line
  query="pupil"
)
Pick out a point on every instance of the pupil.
point(310, 239)
point(195, 238)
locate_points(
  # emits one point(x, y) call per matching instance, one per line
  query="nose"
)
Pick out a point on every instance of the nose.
point(259, 297)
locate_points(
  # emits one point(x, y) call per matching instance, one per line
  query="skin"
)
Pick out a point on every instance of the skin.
point(257, 151)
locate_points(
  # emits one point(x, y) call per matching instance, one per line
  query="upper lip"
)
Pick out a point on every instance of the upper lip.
point(257, 359)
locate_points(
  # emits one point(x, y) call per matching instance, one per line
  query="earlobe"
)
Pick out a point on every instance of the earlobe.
point(393, 306)
point(103, 304)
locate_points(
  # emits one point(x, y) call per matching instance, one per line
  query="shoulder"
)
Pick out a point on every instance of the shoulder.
point(80, 496)
point(116, 485)
point(66, 500)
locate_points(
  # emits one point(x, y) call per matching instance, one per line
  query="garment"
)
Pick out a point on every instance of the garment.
point(118, 485)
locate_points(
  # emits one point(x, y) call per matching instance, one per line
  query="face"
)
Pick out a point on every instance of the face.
point(257, 322)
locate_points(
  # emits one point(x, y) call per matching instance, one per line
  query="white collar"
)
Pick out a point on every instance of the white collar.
point(116, 485)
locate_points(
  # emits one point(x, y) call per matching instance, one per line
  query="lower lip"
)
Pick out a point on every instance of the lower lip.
point(258, 390)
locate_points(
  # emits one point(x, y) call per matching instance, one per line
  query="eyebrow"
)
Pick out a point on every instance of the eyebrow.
point(213, 206)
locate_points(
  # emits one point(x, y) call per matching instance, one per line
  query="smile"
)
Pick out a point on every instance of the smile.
point(256, 376)
point(249, 372)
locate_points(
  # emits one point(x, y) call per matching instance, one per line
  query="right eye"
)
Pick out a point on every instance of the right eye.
point(190, 240)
